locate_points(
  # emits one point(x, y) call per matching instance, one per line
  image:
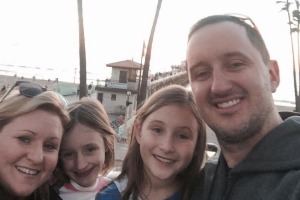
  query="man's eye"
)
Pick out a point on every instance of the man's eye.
point(202, 75)
point(236, 65)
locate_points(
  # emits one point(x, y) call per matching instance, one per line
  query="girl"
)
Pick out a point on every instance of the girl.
point(87, 151)
point(166, 149)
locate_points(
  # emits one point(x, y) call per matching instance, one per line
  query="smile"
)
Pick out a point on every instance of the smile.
point(229, 103)
point(84, 174)
point(165, 160)
point(27, 171)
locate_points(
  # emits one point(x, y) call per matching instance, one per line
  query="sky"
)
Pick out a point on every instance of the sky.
point(44, 33)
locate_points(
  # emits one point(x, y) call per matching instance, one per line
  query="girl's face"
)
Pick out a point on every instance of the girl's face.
point(29, 147)
point(83, 155)
point(167, 141)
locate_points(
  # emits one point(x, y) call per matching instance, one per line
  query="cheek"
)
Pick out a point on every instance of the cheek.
point(101, 158)
point(67, 164)
point(50, 162)
point(188, 155)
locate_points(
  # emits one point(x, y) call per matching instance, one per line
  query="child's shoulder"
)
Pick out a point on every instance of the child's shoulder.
point(103, 182)
point(110, 192)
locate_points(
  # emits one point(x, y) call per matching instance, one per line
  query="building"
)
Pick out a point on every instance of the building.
point(119, 93)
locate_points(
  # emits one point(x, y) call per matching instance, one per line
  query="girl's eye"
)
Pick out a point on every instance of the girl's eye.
point(67, 155)
point(24, 139)
point(91, 149)
point(182, 136)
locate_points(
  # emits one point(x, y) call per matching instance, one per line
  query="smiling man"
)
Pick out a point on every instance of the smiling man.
point(232, 79)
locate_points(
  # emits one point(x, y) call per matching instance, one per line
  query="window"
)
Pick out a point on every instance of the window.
point(113, 97)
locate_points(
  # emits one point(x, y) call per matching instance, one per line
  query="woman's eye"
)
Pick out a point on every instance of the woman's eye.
point(50, 146)
point(157, 130)
point(24, 139)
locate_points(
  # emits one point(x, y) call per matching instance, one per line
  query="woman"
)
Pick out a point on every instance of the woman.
point(32, 122)
point(166, 149)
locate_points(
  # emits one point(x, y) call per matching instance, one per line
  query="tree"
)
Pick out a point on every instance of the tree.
point(294, 22)
point(82, 54)
point(143, 89)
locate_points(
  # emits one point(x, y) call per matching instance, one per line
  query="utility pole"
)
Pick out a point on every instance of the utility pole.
point(143, 89)
point(140, 76)
point(82, 54)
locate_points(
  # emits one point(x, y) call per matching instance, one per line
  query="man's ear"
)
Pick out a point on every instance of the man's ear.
point(274, 75)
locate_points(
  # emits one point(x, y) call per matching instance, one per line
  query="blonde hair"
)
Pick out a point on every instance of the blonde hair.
point(16, 105)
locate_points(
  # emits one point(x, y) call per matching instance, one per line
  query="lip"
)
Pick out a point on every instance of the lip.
point(163, 159)
point(27, 171)
point(229, 104)
point(83, 174)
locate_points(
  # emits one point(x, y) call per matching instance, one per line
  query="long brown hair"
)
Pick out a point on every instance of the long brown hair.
point(133, 164)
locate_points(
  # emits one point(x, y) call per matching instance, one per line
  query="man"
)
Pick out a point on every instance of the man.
point(232, 79)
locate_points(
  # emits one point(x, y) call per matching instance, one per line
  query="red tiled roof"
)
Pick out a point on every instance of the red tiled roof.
point(129, 64)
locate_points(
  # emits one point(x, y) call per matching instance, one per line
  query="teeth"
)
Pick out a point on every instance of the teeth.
point(163, 159)
point(228, 104)
point(27, 171)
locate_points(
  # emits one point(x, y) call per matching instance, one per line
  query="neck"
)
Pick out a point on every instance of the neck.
point(235, 153)
point(160, 190)
point(4, 194)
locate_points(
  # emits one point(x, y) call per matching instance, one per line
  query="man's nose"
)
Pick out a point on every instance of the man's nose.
point(221, 82)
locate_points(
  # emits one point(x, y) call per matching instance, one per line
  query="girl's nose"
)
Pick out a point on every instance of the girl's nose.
point(166, 144)
point(81, 162)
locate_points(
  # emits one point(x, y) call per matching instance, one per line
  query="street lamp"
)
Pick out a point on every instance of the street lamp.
point(127, 110)
point(128, 102)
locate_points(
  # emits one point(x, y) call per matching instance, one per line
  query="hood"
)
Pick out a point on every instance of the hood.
point(278, 150)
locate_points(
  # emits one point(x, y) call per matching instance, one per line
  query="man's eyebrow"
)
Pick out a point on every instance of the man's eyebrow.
point(200, 63)
point(235, 53)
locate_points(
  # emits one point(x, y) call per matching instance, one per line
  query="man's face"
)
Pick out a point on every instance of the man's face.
point(231, 83)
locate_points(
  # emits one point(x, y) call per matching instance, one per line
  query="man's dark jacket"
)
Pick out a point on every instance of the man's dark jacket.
point(271, 171)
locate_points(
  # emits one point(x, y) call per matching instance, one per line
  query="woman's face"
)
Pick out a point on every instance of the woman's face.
point(29, 147)
point(83, 155)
